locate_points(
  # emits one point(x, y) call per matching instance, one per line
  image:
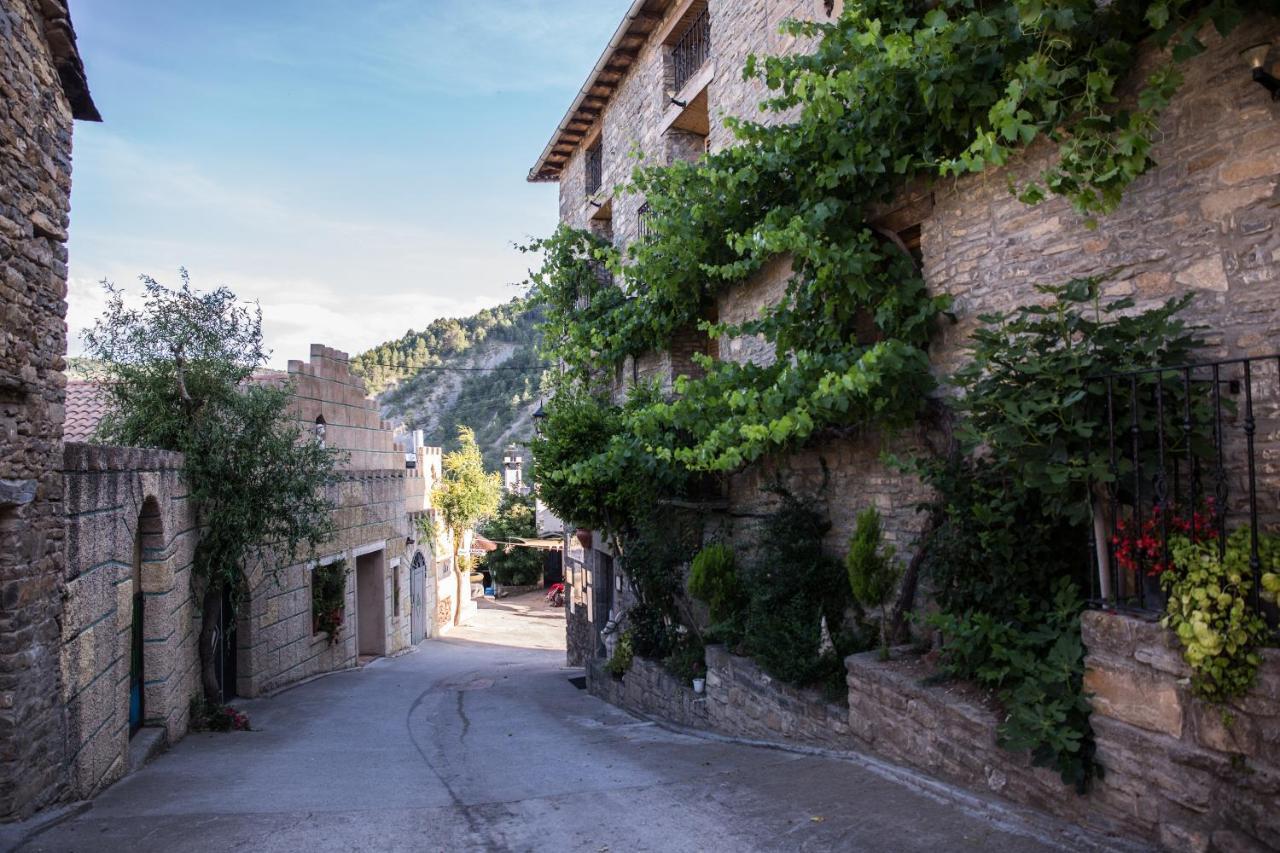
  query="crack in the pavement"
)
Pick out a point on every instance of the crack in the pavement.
point(473, 825)
point(466, 723)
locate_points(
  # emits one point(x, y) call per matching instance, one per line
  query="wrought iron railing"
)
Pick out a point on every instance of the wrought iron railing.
point(595, 168)
point(1192, 451)
point(692, 49)
point(646, 217)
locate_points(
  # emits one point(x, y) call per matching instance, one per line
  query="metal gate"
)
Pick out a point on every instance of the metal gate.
point(418, 596)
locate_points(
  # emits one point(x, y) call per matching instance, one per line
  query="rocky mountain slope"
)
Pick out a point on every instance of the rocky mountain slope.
point(481, 371)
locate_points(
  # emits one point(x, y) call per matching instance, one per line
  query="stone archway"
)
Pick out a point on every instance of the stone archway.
point(151, 627)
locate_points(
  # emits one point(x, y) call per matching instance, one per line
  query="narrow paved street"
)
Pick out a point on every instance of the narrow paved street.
point(480, 742)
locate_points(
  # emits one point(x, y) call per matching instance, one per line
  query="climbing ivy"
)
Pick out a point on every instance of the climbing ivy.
point(893, 93)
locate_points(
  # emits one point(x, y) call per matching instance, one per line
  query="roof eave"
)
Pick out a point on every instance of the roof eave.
point(60, 35)
point(543, 171)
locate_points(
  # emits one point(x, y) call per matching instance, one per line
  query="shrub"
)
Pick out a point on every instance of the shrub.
point(688, 657)
point(714, 580)
point(650, 633)
point(1034, 662)
point(329, 598)
point(215, 717)
point(623, 655)
point(515, 519)
point(874, 570)
point(794, 585)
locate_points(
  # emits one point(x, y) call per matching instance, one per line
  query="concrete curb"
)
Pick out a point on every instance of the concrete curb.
point(1008, 817)
point(14, 835)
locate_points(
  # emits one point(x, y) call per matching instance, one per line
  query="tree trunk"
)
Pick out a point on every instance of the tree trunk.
point(457, 570)
point(210, 617)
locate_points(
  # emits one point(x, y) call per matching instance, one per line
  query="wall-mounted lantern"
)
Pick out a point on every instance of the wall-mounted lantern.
point(319, 430)
point(1264, 59)
point(539, 419)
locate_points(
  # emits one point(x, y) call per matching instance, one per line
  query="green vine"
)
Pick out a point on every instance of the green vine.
point(1209, 610)
point(894, 92)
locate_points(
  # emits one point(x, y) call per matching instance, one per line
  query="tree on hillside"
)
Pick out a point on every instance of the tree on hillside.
point(465, 495)
point(177, 373)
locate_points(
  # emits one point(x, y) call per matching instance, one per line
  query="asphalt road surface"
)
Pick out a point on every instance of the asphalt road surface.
point(480, 742)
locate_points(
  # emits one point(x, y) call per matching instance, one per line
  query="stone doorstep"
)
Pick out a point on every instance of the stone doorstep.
point(144, 746)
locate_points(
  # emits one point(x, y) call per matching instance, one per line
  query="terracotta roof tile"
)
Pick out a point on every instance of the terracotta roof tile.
point(86, 406)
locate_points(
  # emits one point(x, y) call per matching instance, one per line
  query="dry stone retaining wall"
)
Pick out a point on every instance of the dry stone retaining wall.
point(1193, 776)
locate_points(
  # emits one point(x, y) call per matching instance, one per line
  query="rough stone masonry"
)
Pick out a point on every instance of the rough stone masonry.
point(42, 88)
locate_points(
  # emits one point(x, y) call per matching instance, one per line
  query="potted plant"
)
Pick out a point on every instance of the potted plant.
point(699, 679)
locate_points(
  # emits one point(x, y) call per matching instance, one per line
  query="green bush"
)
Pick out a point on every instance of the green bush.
point(794, 585)
point(623, 655)
point(329, 598)
point(1034, 662)
point(874, 570)
point(651, 634)
point(688, 658)
point(515, 519)
point(714, 580)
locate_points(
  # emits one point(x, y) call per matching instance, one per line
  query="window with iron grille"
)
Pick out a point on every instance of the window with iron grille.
point(692, 49)
point(646, 223)
point(595, 168)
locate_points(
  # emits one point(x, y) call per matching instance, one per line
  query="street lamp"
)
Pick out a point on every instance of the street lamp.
point(1263, 59)
point(539, 418)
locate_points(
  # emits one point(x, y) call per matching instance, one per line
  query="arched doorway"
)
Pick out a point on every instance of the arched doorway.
point(148, 546)
point(418, 602)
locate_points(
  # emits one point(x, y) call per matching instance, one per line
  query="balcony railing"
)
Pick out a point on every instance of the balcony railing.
point(1191, 453)
point(595, 169)
point(693, 49)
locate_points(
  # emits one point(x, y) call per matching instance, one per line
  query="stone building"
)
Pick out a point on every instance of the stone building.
point(42, 90)
point(1203, 221)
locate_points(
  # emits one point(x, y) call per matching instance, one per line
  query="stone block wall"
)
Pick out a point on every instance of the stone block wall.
point(129, 523)
point(36, 43)
point(275, 639)
point(325, 388)
point(1180, 771)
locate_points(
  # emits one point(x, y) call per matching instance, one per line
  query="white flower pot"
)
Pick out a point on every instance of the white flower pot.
point(699, 684)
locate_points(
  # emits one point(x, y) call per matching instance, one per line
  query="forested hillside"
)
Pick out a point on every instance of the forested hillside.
point(481, 371)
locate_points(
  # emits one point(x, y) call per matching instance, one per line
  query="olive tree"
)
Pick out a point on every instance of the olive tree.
point(177, 372)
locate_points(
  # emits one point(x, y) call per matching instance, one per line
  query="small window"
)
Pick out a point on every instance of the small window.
point(595, 168)
point(646, 219)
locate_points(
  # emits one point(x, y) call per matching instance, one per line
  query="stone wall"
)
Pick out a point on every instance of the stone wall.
point(1180, 771)
point(739, 700)
point(276, 643)
point(41, 90)
point(324, 387)
point(130, 528)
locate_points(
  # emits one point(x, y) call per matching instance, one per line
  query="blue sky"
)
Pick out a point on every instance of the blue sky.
point(356, 166)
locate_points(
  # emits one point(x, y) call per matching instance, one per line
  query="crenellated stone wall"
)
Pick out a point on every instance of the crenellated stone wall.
point(42, 89)
point(324, 388)
point(130, 528)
